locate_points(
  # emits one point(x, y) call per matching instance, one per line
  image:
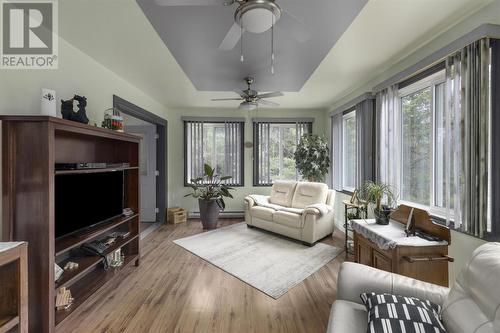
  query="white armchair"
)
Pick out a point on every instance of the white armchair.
point(471, 305)
point(300, 210)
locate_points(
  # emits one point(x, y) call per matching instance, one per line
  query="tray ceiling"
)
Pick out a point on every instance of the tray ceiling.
point(193, 34)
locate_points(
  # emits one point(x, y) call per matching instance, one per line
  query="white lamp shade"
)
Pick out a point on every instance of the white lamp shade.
point(248, 106)
point(257, 20)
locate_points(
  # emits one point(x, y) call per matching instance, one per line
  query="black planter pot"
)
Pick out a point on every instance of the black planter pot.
point(382, 216)
point(209, 213)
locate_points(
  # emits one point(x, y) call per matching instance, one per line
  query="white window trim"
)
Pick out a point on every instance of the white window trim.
point(430, 81)
point(345, 117)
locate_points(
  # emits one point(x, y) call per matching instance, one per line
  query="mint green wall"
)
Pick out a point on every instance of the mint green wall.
point(176, 151)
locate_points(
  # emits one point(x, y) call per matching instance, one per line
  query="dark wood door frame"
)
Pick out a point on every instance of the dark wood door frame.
point(161, 149)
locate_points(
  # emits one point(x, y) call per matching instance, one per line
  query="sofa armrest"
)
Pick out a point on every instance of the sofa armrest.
point(249, 201)
point(355, 279)
point(317, 209)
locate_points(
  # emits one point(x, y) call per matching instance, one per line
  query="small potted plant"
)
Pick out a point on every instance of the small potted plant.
point(312, 157)
point(375, 193)
point(210, 191)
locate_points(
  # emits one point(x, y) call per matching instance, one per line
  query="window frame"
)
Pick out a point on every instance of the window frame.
point(430, 81)
point(256, 154)
point(242, 149)
point(349, 114)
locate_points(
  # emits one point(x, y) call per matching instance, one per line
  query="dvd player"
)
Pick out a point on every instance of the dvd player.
point(89, 165)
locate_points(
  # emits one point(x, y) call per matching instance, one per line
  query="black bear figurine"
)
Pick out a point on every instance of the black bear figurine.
point(68, 113)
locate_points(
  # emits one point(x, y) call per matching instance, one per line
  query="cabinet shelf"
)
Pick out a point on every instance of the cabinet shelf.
point(8, 322)
point(69, 242)
point(86, 263)
point(85, 171)
point(89, 284)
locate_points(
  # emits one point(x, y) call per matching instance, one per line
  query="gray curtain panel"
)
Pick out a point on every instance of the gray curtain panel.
point(364, 141)
point(469, 113)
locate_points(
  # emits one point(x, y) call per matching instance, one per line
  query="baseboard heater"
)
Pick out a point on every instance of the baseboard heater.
point(223, 215)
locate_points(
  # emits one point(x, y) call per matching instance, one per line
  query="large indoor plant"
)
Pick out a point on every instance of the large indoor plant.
point(210, 190)
point(312, 157)
point(383, 198)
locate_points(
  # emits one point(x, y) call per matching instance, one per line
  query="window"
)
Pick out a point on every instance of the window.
point(274, 148)
point(217, 143)
point(349, 155)
point(423, 144)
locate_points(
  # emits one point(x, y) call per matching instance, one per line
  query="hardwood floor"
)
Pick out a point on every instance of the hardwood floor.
point(175, 291)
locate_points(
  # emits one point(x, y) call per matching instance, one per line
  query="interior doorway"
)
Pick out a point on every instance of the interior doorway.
point(152, 163)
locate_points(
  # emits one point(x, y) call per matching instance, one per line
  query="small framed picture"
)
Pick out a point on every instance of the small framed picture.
point(354, 197)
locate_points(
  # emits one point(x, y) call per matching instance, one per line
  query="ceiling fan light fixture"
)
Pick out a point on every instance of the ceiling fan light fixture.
point(248, 106)
point(257, 16)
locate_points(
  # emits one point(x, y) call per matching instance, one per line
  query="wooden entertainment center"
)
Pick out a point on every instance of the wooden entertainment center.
point(31, 146)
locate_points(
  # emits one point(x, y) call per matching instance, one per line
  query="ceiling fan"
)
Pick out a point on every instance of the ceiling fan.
point(251, 98)
point(256, 16)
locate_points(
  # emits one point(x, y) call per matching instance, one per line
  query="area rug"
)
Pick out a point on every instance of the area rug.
point(267, 262)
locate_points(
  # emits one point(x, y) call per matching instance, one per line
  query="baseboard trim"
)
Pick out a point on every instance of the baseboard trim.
point(223, 215)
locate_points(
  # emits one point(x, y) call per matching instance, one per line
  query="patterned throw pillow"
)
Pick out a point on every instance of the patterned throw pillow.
point(398, 314)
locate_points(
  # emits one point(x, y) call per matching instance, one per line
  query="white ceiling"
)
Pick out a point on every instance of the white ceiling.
point(117, 34)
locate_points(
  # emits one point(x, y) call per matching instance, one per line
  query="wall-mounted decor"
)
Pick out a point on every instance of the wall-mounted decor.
point(48, 103)
point(68, 112)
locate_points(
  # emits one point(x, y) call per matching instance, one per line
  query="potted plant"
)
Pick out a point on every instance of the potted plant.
point(312, 157)
point(210, 191)
point(375, 193)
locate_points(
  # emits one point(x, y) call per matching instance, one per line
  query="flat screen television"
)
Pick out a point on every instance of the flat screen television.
point(86, 200)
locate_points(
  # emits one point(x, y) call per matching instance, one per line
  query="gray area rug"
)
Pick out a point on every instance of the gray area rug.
point(267, 262)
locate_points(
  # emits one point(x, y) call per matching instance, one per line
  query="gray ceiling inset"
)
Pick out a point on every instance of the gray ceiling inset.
point(194, 33)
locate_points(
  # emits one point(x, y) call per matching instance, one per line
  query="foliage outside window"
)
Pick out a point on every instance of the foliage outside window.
point(349, 151)
point(423, 144)
point(218, 144)
point(274, 149)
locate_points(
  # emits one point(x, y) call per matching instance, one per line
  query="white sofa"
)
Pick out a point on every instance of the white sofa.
point(299, 210)
point(472, 305)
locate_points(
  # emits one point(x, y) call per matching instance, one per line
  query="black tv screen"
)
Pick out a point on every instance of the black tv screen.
point(84, 200)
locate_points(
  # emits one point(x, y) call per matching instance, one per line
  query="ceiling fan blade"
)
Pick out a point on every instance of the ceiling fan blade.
point(267, 103)
point(243, 94)
point(232, 38)
point(295, 27)
point(190, 2)
point(271, 94)
point(227, 99)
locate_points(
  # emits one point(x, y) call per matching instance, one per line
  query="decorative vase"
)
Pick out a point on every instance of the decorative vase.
point(382, 216)
point(48, 106)
point(209, 213)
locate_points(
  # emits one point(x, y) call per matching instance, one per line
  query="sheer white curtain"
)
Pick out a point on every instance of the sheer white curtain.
point(468, 113)
point(389, 136)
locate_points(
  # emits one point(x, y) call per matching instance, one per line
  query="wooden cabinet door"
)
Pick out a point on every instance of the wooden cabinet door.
point(363, 252)
point(381, 262)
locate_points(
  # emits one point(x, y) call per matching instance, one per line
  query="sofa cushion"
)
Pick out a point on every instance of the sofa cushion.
point(307, 193)
point(263, 213)
point(348, 317)
point(288, 219)
point(392, 313)
point(282, 193)
point(473, 304)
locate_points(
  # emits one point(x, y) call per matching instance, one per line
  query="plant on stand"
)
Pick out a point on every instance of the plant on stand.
point(376, 194)
point(312, 157)
point(210, 190)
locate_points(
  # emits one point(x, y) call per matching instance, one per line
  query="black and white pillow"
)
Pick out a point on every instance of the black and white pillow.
point(398, 314)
